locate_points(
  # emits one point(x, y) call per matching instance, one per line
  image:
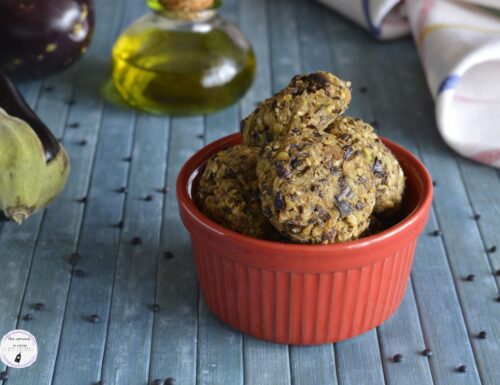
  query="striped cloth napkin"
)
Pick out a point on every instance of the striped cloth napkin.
point(459, 46)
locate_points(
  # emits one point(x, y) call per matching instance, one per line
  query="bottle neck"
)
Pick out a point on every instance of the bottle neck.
point(184, 12)
point(188, 16)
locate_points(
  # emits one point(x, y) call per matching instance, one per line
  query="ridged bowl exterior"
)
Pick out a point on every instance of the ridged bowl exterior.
point(304, 294)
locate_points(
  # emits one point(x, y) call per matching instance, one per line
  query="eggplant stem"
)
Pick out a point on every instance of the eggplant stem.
point(13, 102)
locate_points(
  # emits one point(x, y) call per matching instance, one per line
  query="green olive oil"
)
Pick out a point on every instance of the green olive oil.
point(181, 71)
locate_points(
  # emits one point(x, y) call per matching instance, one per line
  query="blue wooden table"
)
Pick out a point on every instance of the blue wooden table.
point(113, 147)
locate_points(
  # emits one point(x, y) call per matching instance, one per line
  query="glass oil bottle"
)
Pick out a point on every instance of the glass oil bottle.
point(182, 59)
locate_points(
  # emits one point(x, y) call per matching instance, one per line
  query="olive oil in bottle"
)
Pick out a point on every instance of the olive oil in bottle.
point(182, 59)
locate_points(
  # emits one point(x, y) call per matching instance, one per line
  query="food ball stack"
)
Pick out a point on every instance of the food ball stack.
point(304, 172)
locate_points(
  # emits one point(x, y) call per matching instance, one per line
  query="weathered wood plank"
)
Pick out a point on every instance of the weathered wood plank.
point(131, 316)
point(99, 239)
point(49, 277)
point(444, 332)
point(284, 42)
point(174, 344)
point(18, 244)
point(392, 121)
point(253, 22)
point(50, 274)
point(313, 365)
point(358, 361)
point(220, 359)
point(392, 116)
point(483, 190)
point(463, 246)
point(308, 365)
point(98, 247)
point(313, 37)
point(347, 46)
point(220, 349)
point(264, 363)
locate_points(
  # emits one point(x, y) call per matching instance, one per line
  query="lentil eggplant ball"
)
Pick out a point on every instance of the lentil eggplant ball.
point(313, 100)
point(313, 191)
point(229, 194)
point(358, 137)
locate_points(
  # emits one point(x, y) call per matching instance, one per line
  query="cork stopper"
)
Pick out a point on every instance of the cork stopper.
point(187, 5)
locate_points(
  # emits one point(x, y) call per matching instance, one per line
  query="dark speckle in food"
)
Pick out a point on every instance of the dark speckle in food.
point(377, 169)
point(348, 152)
point(295, 162)
point(279, 202)
point(281, 170)
point(345, 208)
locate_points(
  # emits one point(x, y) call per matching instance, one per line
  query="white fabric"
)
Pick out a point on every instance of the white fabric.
point(459, 45)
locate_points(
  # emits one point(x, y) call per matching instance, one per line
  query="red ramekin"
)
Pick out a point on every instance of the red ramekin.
point(304, 294)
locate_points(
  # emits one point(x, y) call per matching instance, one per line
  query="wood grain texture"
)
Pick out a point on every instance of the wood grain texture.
point(175, 330)
point(220, 348)
point(462, 240)
point(352, 66)
point(50, 274)
point(17, 245)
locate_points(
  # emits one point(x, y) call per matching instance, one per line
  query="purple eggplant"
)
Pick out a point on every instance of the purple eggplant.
point(42, 37)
